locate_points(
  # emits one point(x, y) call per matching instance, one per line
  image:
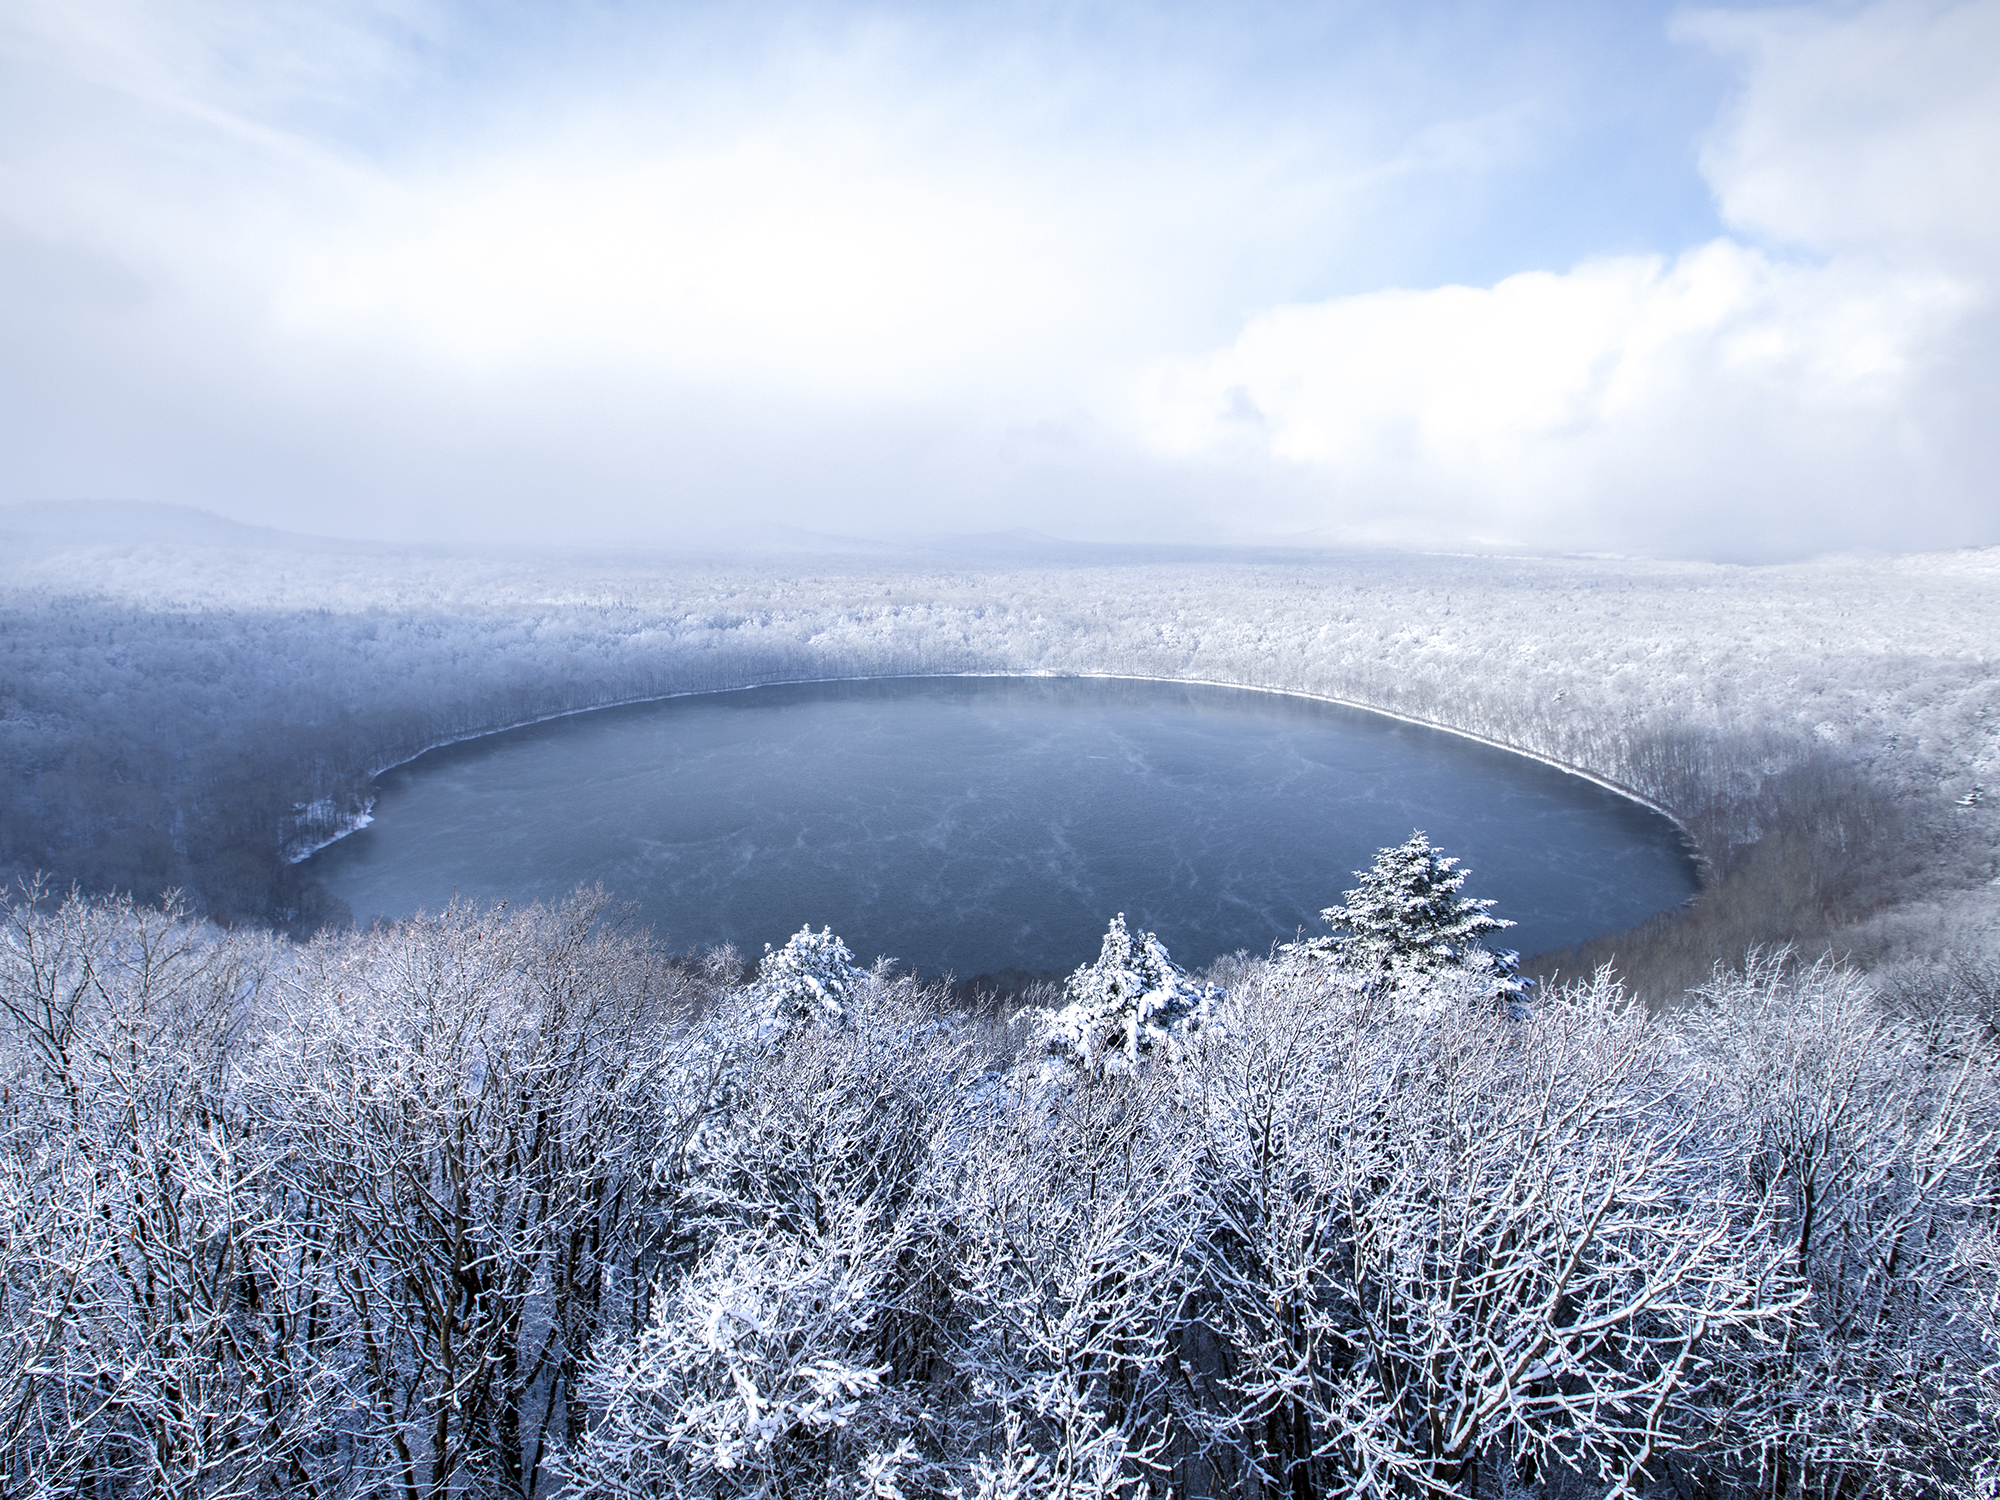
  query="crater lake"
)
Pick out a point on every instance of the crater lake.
point(977, 825)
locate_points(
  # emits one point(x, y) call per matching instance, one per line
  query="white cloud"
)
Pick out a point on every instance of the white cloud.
point(1809, 395)
point(818, 259)
point(818, 220)
point(1869, 131)
point(1552, 402)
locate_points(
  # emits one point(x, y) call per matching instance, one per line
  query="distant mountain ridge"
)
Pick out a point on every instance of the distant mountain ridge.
point(61, 524)
point(119, 522)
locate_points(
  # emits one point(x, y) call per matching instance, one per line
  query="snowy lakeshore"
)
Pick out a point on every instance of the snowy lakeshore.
point(1856, 696)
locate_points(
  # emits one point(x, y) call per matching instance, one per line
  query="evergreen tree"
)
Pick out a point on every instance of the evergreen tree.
point(1406, 919)
point(1132, 1001)
point(813, 976)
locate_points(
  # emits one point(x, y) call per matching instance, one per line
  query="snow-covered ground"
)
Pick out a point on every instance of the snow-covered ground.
point(178, 658)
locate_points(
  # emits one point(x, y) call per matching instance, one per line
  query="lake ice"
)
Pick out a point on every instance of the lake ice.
point(979, 824)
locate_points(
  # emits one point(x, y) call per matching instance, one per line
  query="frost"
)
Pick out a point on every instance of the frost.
point(489, 1167)
point(1131, 1004)
point(812, 978)
point(1406, 921)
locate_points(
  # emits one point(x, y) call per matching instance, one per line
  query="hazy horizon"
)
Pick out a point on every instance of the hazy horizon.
point(115, 524)
point(1552, 277)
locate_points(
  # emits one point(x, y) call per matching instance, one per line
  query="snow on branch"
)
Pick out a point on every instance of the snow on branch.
point(1132, 1003)
point(812, 978)
point(1406, 922)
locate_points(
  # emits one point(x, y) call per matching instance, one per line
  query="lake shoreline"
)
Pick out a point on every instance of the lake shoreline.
point(1702, 863)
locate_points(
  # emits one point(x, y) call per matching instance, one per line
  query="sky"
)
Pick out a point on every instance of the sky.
point(1446, 274)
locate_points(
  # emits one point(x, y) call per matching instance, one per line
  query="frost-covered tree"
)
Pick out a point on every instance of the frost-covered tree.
point(152, 1301)
point(801, 1311)
point(1462, 1259)
point(380, 1215)
point(1873, 1144)
point(1406, 919)
point(754, 1376)
point(1132, 1002)
point(794, 1136)
point(813, 977)
point(1979, 1329)
point(1071, 1228)
point(460, 1101)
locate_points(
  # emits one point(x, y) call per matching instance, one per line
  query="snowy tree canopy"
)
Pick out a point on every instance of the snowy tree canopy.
point(465, 1209)
point(1131, 1002)
point(812, 977)
point(751, 1377)
point(1406, 919)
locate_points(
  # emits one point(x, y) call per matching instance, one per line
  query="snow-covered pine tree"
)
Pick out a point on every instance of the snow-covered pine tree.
point(813, 977)
point(1407, 920)
point(1134, 1000)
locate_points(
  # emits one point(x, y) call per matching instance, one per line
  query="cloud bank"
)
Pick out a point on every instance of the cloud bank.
point(1820, 378)
point(1717, 283)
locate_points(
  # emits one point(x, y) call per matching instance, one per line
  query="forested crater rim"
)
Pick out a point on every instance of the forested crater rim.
point(1703, 865)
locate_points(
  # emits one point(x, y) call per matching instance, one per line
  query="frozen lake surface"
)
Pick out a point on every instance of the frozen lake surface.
point(981, 824)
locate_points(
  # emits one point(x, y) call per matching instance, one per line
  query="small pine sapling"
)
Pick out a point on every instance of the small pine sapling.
point(1407, 921)
point(1132, 1002)
point(813, 977)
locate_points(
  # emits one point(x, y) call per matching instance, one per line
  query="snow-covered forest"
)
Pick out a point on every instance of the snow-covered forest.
point(506, 1204)
point(195, 704)
point(516, 1203)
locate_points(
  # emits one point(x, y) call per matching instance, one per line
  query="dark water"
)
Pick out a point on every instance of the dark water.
point(977, 824)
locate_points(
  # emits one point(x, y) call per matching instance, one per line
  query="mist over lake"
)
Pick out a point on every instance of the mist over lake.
point(979, 824)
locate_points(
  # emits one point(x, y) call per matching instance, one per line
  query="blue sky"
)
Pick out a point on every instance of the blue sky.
point(1710, 282)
